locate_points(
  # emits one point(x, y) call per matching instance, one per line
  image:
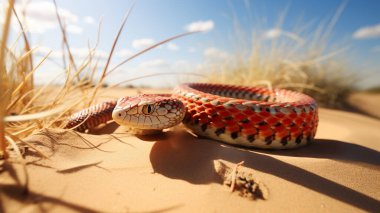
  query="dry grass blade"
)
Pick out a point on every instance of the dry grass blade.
point(15, 138)
point(115, 42)
point(28, 77)
point(27, 49)
point(25, 88)
point(104, 72)
point(149, 48)
point(60, 116)
point(5, 33)
point(65, 41)
point(4, 81)
point(34, 116)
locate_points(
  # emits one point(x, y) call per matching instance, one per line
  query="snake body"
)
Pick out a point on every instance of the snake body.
point(238, 115)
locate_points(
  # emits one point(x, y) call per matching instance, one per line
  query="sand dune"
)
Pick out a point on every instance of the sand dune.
point(115, 172)
point(367, 103)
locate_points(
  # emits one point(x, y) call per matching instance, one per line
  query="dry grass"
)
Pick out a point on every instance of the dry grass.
point(300, 60)
point(25, 108)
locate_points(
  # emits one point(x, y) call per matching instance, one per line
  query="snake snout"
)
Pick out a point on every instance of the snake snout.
point(149, 113)
point(118, 115)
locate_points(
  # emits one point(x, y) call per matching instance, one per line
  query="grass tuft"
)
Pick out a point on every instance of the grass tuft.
point(301, 60)
point(26, 108)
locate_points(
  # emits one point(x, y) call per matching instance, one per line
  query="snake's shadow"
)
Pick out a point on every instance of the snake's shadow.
point(184, 157)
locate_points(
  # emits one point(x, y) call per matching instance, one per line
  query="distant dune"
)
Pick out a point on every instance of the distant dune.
point(368, 103)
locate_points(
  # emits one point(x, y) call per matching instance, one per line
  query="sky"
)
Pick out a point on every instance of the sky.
point(357, 29)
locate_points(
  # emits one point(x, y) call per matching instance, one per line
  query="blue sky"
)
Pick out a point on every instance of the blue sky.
point(358, 29)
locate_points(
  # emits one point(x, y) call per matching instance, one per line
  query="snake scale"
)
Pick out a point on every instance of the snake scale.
point(238, 115)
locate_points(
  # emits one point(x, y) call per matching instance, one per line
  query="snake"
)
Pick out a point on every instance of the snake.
point(251, 117)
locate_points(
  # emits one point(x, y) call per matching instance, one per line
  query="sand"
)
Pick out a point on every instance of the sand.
point(175, 172)
point(366, 103)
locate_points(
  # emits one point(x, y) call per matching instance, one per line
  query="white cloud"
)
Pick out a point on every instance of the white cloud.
point(155, 63)
point(45, 10)
point(78, 53)
point(273, 33)
point(124, 53)
point(179, 73)
point(84, 52)
point(40, 16)
point(182, 66)
point(367, 32)
point(142, 43)
point(192, 50)
point(43, 51)
point(89, 20)
point(200, 26)
point(172, 46)
point(215, 53)
point(74, 29)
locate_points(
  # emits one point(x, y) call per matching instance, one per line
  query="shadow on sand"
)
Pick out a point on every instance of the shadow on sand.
point(182, 157)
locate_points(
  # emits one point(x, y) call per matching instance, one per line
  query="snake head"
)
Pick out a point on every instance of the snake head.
point(148, 112)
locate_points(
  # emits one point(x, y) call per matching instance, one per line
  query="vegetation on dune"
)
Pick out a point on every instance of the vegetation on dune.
point(374, 90)
point(301, 60)
point(327, 82)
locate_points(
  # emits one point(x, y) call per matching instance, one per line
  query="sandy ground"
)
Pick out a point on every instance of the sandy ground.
point(115, 172)
point(367, 103)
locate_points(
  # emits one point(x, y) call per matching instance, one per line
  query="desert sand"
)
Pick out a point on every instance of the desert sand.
point(112, 171)
point(366, 103)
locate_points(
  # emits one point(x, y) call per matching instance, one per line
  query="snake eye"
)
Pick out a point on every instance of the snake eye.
point(147, 109)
